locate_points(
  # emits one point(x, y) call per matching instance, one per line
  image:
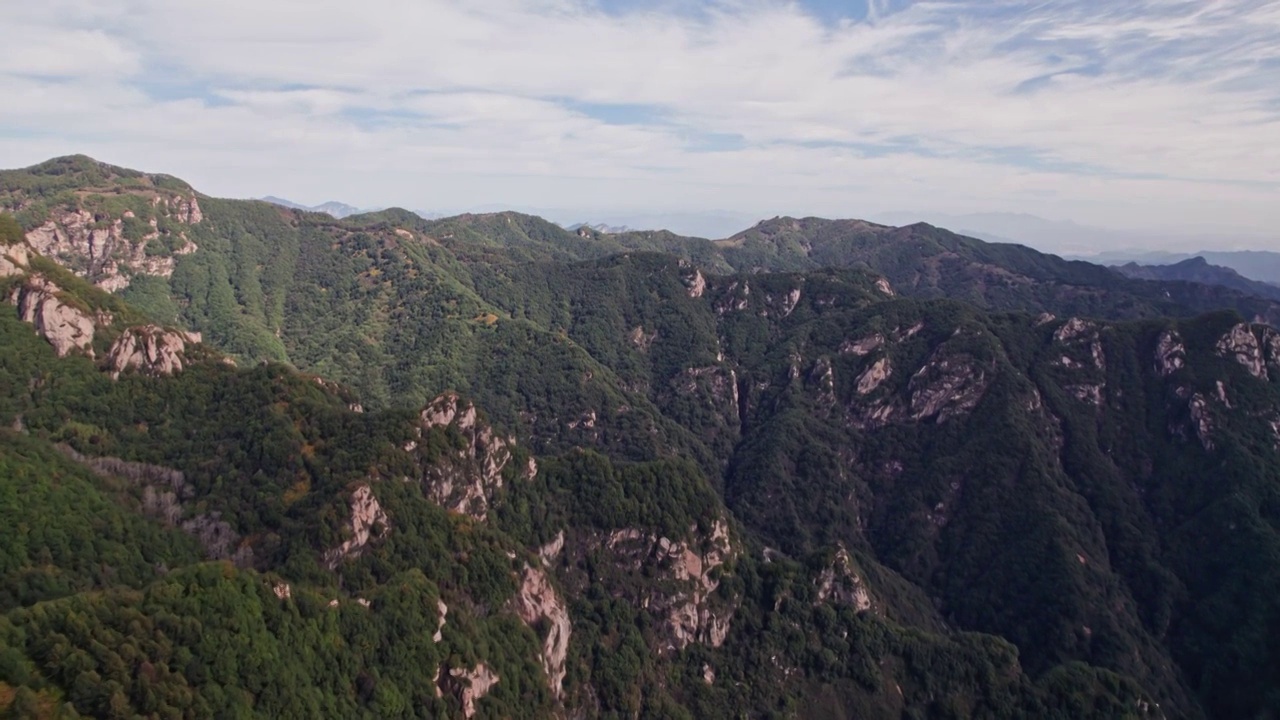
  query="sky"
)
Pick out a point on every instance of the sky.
point(1160, 116)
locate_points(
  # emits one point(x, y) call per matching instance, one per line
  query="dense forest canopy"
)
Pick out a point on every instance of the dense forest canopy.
point(484, 466)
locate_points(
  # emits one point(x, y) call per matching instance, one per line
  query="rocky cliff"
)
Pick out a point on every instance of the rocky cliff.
point(463, 457)
point(367, 521)
point(682, 577)
point(538, 602)
point(56, 317)
point(71, 320)
point(469, 685)
point(14, 259)
point(108, 249)
point(149, 349)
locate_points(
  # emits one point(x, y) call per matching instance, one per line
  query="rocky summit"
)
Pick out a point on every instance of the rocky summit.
point(258, 461)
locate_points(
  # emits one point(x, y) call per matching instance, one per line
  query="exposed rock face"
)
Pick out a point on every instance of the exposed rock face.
point(716, 386)
point(1171, 354)
point(696, 285)
point(790, 302)
point(863, 346)
point(1221, 389)
point(1243, 345)
point(551, 550)
point(1073, 329)
point(883, 286)
point(687, 577)
point(447, 408)
point(538, 600)
point(65, 327)
point(1082, 353)
point(1201, 421)
point(872, 377)
point(901, 334)
point(1081, 333)
point(465, 480)
point(947, 387)
point(149, 349)
point(14, 260)
point(470, 685)
point(186, 209)
point(735, 297)
point(840, 583)
point(640, 339)
point(366, 514)
point(824, 378)
point(96, 246)
point(1086, 393)
point(444, 613)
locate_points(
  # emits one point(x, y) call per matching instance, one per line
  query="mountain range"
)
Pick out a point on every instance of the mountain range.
point(1087, 242)
point(333, 207)
point(263, 462)
point(1258, 265)
point(1198, 270)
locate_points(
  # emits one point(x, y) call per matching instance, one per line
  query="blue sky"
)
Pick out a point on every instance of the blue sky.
point(1148, 114)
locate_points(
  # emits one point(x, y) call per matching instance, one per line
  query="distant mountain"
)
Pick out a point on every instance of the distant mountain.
point(1046, 235)
point(1259, 265)
point(1198, 270)
point(600, 228)
point(284, 203)
point(1084, 242)
point(336, 209)
point(701, 224)
point(706, 224)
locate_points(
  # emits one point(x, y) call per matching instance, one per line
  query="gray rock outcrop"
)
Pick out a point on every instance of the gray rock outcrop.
point(538, 600)
point(149, 349)
point(65, 326)
point(840, 583)
point(14, 260)
point(1171, 354)
point(1240, 343)
point(465, 479)
point(98, 248)
point(366, 516)
point(469, 685)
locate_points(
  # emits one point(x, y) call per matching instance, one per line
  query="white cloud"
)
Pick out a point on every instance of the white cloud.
point(65, 53)
point(1155, 112)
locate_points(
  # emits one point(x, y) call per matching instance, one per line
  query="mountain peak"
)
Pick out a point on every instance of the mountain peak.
point(66, 163)
point(334, 208)
point(82, 171)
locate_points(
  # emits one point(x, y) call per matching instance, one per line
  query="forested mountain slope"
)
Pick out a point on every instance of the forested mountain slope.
point(820, 469)
point(205, 540)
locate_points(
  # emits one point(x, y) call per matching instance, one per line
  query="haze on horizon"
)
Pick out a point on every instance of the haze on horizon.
point(1157, 118)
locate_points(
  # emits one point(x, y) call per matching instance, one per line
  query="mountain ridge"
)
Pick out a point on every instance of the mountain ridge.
point(1198, 269)
point(332, 208)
